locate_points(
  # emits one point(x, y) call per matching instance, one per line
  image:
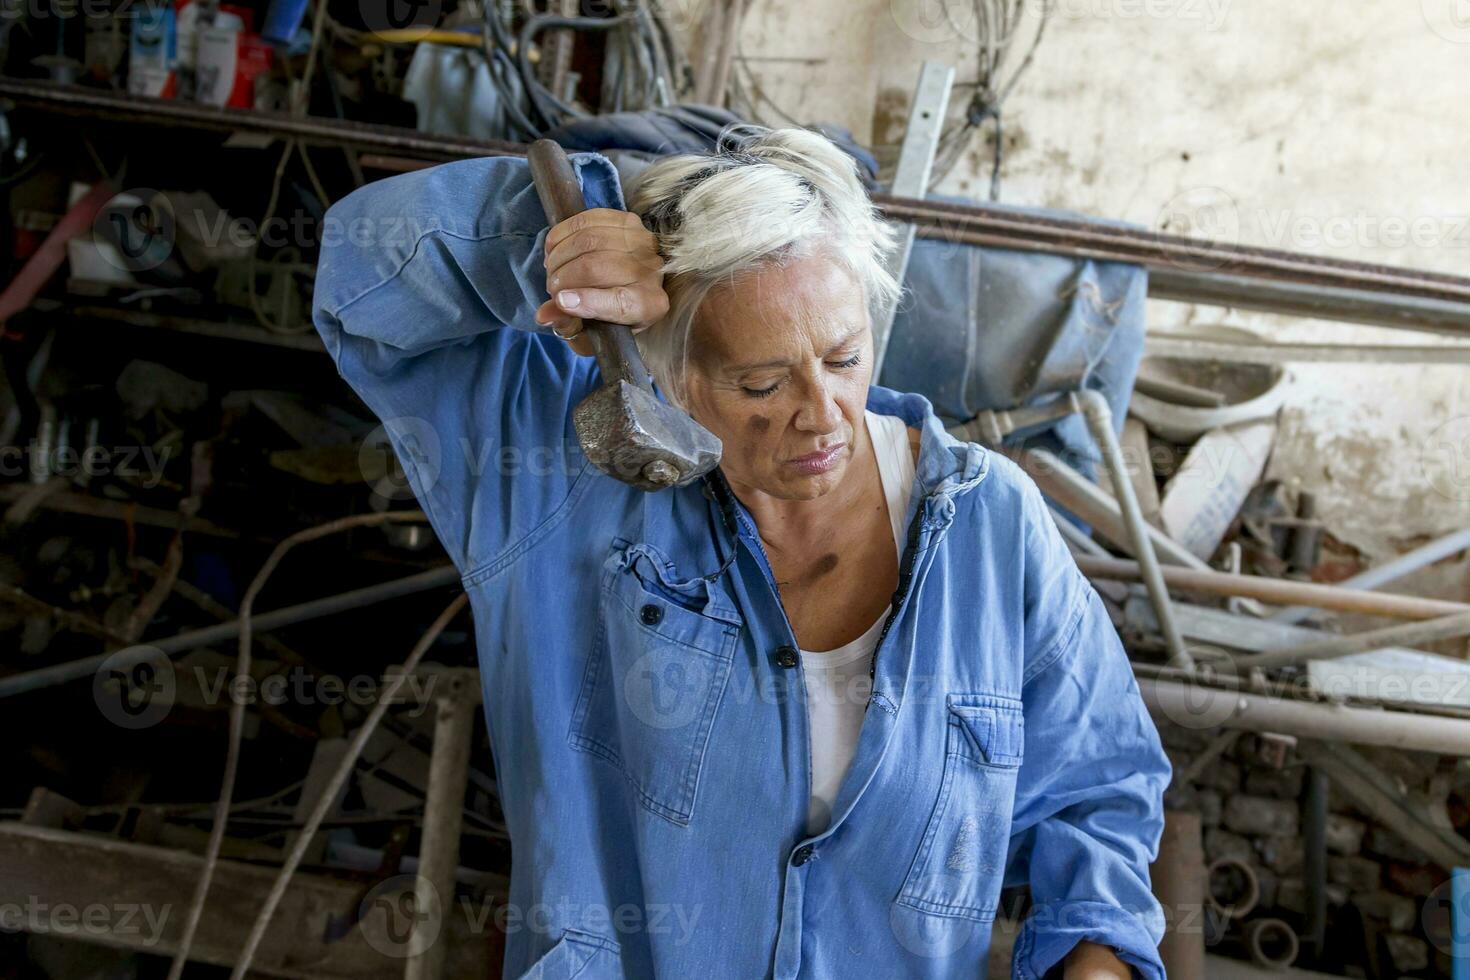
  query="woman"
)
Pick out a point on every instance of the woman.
point(807, 716)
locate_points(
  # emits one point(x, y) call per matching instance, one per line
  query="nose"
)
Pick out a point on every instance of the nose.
point(819, 413)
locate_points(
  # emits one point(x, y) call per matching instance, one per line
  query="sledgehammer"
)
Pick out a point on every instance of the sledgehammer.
point(624, 429)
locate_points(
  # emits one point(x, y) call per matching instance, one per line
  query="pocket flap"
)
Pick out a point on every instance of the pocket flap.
point(656, 573)
point(995, 726)
point(573, 956)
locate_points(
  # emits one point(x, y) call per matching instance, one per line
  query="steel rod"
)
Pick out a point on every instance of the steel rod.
point(1389, 571)
point(1195, 706)
point(75, 100)
point(979, 224)
point(1074, 492)
point(1400, 634)
point(72, 670)
point(1278, 591)
point(1094, 408)
point(1346, 304)
point(1314, 864)
point(1195, 347)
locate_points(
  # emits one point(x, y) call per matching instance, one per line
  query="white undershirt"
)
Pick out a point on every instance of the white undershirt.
point(837, 682)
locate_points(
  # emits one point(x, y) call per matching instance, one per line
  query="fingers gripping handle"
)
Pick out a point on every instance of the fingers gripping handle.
point(625, 430)
point(561, 198)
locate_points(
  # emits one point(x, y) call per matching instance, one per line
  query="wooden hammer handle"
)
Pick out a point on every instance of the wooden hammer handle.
point(561, 198)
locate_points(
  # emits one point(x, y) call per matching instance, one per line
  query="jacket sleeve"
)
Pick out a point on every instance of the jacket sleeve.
point(425, 297)
point(1089, 802)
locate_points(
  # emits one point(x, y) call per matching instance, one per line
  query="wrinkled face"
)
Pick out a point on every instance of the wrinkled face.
point(779, 368)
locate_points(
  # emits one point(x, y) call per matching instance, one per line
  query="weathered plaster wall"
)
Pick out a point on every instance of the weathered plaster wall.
point(1341, 128)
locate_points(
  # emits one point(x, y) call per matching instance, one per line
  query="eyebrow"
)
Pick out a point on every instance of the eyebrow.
point(743, 368)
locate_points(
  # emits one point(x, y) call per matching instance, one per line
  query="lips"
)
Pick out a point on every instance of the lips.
point(819, 461)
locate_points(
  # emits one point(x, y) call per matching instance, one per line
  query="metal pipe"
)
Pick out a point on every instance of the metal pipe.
point(1279, 590)
point(72, 670)
point(1306, 537)
point(1398, 635)
point(1193, 705)
point(449, 766)
point(1073, 491)
point(1420, 822)
point(1232, 888)
point(1389, 571)
point(1094, 408)
point(1314, 870)
point(1264, 936)
point(1178, 877)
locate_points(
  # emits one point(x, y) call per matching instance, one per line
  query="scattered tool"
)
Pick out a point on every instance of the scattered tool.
point(624, 429)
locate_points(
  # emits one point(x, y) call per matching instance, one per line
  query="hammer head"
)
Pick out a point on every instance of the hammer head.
point(632, 436)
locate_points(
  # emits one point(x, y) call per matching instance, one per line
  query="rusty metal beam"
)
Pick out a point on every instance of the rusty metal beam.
point(77, 101)
point(1185, 269)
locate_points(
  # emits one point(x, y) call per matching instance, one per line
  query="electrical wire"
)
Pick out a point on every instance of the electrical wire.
point(997, 27)
point(299, 105)
point(643, 66)
point(237, 711)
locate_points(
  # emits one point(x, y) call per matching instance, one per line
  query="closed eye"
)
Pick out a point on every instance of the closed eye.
point(762, 392)
point(767, 392)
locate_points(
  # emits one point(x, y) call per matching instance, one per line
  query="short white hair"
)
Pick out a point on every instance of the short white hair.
point(766, 197)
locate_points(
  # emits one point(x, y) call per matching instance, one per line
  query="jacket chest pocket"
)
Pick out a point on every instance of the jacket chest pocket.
point(653, 683)
point(958, 869)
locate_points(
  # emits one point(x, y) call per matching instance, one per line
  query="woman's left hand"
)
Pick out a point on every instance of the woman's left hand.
point(1089, 961)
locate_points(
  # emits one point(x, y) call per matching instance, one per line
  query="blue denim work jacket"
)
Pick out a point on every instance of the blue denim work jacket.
point(650, 747)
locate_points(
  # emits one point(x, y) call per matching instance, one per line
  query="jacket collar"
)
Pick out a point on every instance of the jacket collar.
point(946, 465)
